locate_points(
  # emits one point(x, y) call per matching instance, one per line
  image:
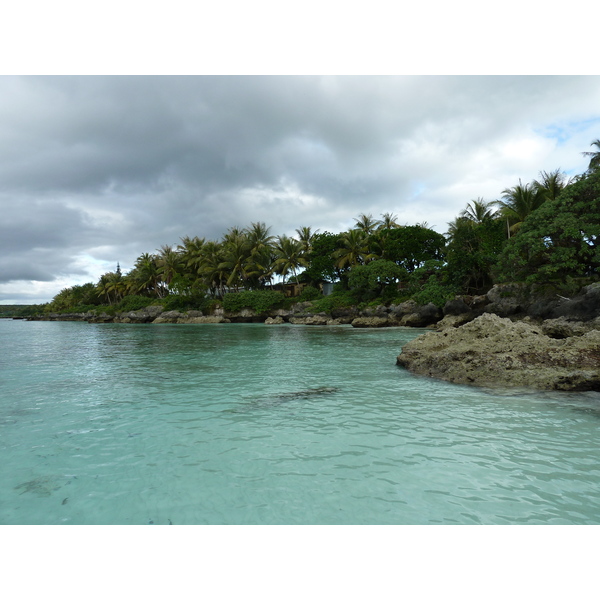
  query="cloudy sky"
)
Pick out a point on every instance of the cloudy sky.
point(96, 170)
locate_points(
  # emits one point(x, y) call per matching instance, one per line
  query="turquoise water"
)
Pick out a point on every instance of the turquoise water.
point(255, 424)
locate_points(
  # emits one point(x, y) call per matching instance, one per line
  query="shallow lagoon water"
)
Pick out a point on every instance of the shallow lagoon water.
point(255, 424)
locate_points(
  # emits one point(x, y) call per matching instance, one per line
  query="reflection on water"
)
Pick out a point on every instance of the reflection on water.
point(254, 424)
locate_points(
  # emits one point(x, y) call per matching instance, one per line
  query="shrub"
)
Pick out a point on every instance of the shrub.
point(181, 302)
point(435, 292)
point(259, 301)
point(309, 293)
point(134, 302)
point(339, 299)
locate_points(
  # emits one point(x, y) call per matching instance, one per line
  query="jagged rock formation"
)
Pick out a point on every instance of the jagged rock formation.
point(494, 351)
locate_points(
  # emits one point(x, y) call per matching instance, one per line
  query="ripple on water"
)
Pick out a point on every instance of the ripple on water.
point(251, 424)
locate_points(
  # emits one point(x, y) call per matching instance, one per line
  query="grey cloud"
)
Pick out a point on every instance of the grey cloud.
point(116, 166)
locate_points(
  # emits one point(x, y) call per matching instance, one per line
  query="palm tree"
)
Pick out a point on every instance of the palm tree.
point(236, 252)
point(259, 238)
point(213, 273)
point(478, 211)
point(551, 184)
point(459, 224)
point(594, 156)
point(354, 250)
point(388, 221)
point(366, 223)
point(517, 203)
point(289, 254)
point(116, 285)
point(112, 286)
point(261, 253)
point(305, 237)
point(191, 251)
point(168, 262)
point(145, 275)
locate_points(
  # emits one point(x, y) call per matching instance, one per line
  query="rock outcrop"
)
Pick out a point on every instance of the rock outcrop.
point(497, 352)
point(319, 319)
point(543, 302)
point(274, 320)
point(373, 322)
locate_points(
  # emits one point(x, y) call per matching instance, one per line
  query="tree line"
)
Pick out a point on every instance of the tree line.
point(543, 230)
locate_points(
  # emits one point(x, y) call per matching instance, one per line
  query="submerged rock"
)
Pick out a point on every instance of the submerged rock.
point(494, 351)
point(276, 400)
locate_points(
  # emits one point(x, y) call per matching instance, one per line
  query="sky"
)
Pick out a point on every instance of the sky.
point(96, 170)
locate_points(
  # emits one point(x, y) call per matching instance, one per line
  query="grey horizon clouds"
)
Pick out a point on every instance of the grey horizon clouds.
point(95, 170)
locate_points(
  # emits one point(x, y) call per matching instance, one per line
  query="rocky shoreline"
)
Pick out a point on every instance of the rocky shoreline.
point(407, 314)
point(493, 351)
point(519, 338)
point(514, 301)
point(514, 336)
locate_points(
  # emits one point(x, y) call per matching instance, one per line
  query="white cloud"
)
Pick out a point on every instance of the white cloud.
point(108, 168)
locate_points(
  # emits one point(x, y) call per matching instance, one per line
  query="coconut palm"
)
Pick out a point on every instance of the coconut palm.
point(236, 254)
point(594, 156)
point(388, 221)
point(366, 223)
point(456, 226)
point(289, 254)
point(259, 238)
point(112, 286)
point(213, 273)
point(191, 251)
point(550, 185)
point(478, 211)
point(305, 237)
point(168, 261)
point(354, 250)
point(258, 265)
point(517, 203)
point(145, 276)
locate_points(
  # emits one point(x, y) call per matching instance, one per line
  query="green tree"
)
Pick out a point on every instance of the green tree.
point(258, 267)
point(168, 262)
point(410, 246)
point(550, 185)
point(212, 271)
point(517, 203)
point(289, 254)
point(472, 252)
point(84, 295)
point(559, 239)
point(354, 249)
point(145, 277)
point(191, 251)
point(366, 223)
point(388, 221)
point(112, 286)
point(321, 262)
point(478, 211)
point(306, 237)
point(379, 278)
point(236, 254)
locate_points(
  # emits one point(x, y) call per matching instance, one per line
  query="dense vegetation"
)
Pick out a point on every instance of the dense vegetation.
point(11, 311)
point(544, 230)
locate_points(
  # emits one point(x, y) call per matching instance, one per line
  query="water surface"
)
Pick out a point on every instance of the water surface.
point(255, 424)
